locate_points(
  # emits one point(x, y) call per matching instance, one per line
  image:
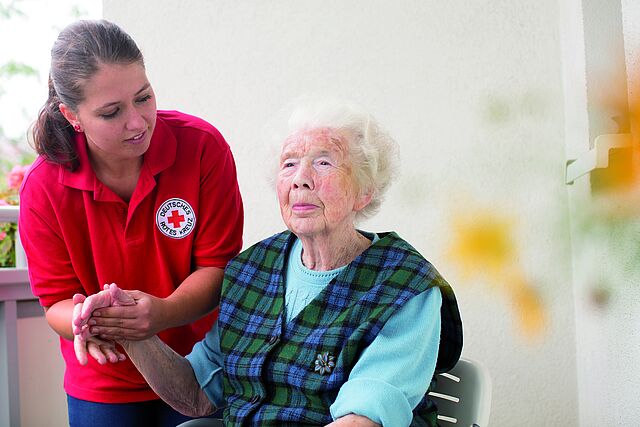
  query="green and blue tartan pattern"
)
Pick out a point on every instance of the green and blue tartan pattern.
point(269, 366)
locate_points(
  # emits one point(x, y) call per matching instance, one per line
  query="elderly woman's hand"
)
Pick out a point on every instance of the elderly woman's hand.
point(353, 420)
point(84, 344)
point(101, 350)
point(110, 296)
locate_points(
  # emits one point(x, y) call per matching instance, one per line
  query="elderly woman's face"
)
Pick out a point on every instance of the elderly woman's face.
point(316, 189)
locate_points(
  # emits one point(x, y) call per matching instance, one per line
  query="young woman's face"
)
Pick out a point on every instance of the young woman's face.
point(118, 113)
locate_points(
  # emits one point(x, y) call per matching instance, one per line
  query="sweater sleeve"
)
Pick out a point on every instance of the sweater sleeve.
point(395, 370)
point(206, 361)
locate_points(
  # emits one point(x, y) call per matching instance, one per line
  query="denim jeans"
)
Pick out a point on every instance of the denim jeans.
point(150, 413)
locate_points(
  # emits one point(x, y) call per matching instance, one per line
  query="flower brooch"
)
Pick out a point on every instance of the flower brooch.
point(324, 363)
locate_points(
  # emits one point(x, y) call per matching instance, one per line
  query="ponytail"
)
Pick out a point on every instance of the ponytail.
point(53, 136)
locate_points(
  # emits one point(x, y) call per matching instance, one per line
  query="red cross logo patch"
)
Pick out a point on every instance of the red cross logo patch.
point(175, 218)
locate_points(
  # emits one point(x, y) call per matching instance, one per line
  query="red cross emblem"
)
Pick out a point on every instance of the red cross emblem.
point(175, 219)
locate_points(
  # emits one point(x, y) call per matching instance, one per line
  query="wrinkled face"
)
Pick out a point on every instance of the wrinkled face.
point(316, 189)
point(118, 113)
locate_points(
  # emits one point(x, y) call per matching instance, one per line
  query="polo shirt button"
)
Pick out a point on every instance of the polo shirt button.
point(255, 399)
point(273, 339)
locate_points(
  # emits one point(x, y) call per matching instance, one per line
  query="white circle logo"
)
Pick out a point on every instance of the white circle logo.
point(175, 218)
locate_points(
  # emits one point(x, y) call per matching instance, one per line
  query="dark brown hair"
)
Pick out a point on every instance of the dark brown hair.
point(75, 57)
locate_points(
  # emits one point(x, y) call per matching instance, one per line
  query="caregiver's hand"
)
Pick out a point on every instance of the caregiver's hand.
point(84, 344)
point(132, 315)
point(112, 295)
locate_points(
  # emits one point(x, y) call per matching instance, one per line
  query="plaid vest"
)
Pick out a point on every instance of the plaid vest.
point(274, 372)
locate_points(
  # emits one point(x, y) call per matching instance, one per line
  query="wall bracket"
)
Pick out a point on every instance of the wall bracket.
point(596, 158)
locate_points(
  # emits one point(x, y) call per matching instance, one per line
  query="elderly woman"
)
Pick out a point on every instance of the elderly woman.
point(323, 324)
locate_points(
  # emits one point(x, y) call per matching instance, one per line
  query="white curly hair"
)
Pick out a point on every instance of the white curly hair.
point(374, 154)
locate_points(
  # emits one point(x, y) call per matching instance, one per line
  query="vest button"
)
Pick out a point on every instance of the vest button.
point(255, 399)
point(273, 339)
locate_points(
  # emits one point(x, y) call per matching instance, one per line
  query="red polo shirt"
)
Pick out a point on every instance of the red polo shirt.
point(186, 211)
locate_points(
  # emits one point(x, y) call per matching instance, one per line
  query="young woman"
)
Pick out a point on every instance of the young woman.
point(122, 193)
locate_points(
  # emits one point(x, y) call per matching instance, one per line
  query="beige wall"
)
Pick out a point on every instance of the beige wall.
point(42, 398)
point(473, 93)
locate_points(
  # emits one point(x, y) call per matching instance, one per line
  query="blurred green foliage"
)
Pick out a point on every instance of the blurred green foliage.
point(14, 145)
point(11, 9)
point(7, 246)
point(14, 150)
point(13, 68)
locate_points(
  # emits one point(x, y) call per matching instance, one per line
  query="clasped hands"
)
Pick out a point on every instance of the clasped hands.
point(100, 320)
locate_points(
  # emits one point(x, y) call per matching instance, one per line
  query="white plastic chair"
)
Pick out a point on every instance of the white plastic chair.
point(463, 395)
point(202, 422)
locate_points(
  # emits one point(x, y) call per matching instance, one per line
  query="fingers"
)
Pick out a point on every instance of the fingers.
point(80, 348)
point(128, 321)
point(112, 355)
point(79, 325)
point(84, 332)
point(102, 351)
point(111, 295)
point(112, 314)
point(117, 333)
point(95, 301)
point(120, 297)
point(76, 318)
point(78, 298)
point(121, 312)
point(95, 352)
point(85, 344)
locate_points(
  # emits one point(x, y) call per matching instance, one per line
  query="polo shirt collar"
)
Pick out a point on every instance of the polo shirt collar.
point(159, 156)
point(83, 178)
point(163, 148)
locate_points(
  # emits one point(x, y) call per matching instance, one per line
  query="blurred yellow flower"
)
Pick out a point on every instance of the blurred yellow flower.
point(482, 244)
point(527, 302)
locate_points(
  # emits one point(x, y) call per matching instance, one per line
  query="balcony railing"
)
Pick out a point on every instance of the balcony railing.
point(10, 214)
point(16, 301)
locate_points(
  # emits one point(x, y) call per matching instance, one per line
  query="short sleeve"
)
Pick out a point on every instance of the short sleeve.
point(51, 273)
point(220, 222)
point(395, 370)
